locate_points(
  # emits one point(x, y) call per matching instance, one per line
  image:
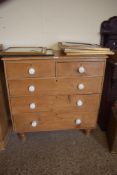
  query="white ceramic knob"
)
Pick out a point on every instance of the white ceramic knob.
point(32, 106)
point(81, 69)
point(34, 123)
point(81, 86)
point(31, 88)
point(78, 121)
point(79, 103)
point(31, 71)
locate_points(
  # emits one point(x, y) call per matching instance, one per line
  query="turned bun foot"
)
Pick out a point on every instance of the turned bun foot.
point(88, 132)
point(22, 136)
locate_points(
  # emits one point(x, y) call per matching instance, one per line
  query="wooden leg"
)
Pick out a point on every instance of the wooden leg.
point(22, 136)
point(3, 142)
point(87, 131)
point(2, 146)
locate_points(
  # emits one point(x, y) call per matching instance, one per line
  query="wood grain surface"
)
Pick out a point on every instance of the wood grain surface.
point(56, 83)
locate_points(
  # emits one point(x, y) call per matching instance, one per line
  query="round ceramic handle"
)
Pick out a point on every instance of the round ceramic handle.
point(31, 88)
point(31, 71)
point(32, 106)
point(79, 103)
point(81, 86)
point(78, 121)
point(34, 123)
point(81, 69)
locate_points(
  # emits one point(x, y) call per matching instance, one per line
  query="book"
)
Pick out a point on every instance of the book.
point(90, 53)
point(83, 46)
point(71, 48)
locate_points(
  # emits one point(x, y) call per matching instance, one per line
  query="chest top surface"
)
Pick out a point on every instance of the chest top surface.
point(58, 56)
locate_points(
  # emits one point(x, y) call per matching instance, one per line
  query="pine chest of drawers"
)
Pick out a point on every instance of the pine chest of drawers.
point(54, 93)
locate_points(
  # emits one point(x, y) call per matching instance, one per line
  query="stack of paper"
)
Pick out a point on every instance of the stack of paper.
point(71, 48)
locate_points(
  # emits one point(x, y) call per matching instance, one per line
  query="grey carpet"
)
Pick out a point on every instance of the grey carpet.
point(58, 153)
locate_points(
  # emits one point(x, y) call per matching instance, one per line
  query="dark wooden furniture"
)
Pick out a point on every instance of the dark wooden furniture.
point(109, 33)
point(109, 96)
point(107, 113)
point(112, 130)
point(54, 92)
point(4, 124)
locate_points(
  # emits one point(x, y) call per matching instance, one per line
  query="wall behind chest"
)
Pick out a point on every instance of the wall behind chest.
point(45, 22)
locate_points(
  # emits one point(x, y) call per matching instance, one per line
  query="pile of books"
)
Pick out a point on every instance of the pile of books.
point(71, 48)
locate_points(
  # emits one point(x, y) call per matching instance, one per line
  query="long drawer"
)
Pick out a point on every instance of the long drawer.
point(48, 121)
point(29, 69)
point(76, 68)
point(36, 87)
point(55, 103)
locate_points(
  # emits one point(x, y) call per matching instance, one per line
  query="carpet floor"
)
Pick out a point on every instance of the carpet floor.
point(58, 153)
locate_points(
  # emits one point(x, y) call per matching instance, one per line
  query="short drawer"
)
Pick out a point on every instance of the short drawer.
point(55, 103)
point(40, 68)
point(31, 87)
point(66, 69)
point(48, 121)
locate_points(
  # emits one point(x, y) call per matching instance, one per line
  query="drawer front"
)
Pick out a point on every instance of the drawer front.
point(65, 69)
point(55, 103)
point(46, 121)
point(41, 68)
point(63, 86)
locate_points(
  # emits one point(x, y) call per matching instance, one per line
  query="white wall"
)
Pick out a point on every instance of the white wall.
point(45, 22)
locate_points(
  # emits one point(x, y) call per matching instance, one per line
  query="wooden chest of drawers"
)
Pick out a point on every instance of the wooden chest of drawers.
point(54, 93)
